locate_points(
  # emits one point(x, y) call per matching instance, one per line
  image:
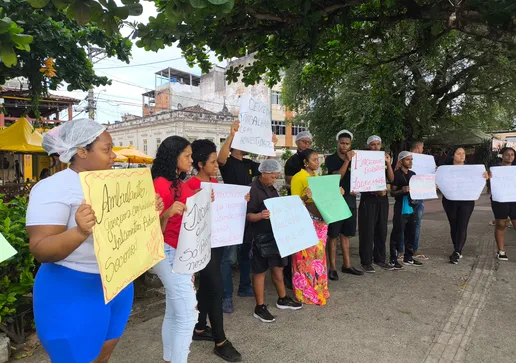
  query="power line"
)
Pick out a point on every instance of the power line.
point(142, 64)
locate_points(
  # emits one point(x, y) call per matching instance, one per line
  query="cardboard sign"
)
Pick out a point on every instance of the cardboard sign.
point(228, 214)
point(327, 198)
point(6, 250)
point(194, 246)
point(368, 171)
point(127, 234)
point(291, 224)
point(255, 132)
point(503, 184)
point(423, 164)
point(423, 187)
point(461, 182)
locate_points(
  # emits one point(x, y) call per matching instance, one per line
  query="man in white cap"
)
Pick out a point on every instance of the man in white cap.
point(295, 162)
point(405, 218)
point(339, 163)
point(373, 215)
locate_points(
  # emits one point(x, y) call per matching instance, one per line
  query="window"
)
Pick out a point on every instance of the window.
point(296, 129)
point(145, 146)
point(276, 98)
point(158, 143)
point(278, 127)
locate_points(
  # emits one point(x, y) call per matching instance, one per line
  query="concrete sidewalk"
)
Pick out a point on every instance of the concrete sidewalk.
point(435, 313)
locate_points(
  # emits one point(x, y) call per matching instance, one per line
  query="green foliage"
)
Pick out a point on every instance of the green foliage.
point(16, 273)
point(64, 40)
point(11, 38)
point(286, 155)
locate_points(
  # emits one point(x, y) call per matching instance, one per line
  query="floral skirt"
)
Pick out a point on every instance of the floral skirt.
point(309, 271)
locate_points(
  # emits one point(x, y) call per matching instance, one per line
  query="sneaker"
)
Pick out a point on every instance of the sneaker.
point(421, 257)
point(333, 275)
point(261, 312)
point(454, 258)
point(246, 293)
point(412, 262)
point(368, 268)
point(228, 352)
point(396, 265)
point(227, 305)
point(288, 304)
point(502, 256)
point(352, 271)
point(417, 262)
point(384, 265)
point(206, 335)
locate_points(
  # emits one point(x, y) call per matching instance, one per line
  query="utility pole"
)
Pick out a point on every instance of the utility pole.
point(95, 55)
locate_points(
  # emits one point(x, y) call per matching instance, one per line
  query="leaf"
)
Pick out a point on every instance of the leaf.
point(228, 6)
point(217, 2)
point(62, 4)
point(38, 3)
point(135, 9)
point(80, 11)
point(122, 12)
point(22, 38)
point(198, 4)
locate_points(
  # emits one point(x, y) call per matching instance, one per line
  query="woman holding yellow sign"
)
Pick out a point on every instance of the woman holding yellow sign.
point(73, 322)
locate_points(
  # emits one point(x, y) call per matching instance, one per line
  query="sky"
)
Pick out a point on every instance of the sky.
point(129, 81)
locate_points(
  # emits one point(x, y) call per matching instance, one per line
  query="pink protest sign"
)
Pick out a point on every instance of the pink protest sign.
point(368, 171)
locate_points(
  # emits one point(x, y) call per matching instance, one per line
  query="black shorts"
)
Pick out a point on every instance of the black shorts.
point(262, 264)
point(504, 210)
point(346, 227)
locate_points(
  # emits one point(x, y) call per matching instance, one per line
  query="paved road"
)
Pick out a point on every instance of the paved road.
point(435, 313)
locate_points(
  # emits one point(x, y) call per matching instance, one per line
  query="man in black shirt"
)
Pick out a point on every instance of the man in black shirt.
point(235, 169)
point(405, 218)
point(295, 162)
point(373, 215)
point(339, 163)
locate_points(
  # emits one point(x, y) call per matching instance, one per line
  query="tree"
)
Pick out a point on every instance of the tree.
point(282, 32)
point(58, 37)
point(406, 83)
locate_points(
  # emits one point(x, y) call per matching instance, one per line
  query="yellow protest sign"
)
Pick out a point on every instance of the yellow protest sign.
point(127, 232)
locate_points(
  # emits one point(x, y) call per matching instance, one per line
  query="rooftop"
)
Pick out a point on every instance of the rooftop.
point(177, 75)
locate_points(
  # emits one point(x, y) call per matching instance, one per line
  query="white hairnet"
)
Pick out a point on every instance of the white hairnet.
point(344, 132)
point(270, 166)
point(373, 138)
point(64, 140)
point(402, 155)
point(303, 135)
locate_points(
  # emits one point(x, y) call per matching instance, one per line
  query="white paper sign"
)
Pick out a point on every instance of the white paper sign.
point(461, 182)
point(194, 246)
point(423, 187)
point(503, 184)
point(368, 171)
point(6, 250)
point(255, 132)
point(228, 213)
point(291, 224)
point(423, 164)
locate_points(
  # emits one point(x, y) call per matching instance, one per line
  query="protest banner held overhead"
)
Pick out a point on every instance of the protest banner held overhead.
point(292, 226)
point(228, 214)
point(255, 132)
point(423, 164)
point(127, 234)
point(461, 182)
point(327, 198)
point(368, 171)
point(423, 187)
point(194, 246)
point(503, 184)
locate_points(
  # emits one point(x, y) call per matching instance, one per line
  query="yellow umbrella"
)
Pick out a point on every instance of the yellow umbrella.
point(135, 156)
point(120, 158)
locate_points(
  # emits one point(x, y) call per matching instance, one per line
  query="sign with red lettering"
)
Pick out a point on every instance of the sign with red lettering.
point(368, 171)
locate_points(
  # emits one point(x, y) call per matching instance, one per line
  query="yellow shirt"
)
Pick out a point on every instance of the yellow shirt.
point(299, 184)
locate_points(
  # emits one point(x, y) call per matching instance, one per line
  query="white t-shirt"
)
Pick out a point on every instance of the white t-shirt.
point(53, 202)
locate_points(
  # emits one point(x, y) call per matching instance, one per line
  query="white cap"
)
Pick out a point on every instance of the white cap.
point(343, 132)
point(373, 138)
point(270, 166)
point(402, 155)
point(303, 135)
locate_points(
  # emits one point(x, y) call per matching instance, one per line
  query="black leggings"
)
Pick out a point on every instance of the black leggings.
point(209, 296)
point(458, 213)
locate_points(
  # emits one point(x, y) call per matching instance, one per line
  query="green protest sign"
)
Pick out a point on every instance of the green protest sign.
point(327, 198)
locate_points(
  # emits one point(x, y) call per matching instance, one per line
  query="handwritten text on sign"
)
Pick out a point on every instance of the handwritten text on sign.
point(368, 171)
point(423, 187)
point(228, 214)
point(327, 198)
point(503, 184)
point(461, 182)
point(255, 132)
point(292, 226)
point(194, 246)
point(423, 164)
point(127, 234)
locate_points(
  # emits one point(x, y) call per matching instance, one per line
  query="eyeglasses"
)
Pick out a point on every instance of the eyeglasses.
point(306, 142)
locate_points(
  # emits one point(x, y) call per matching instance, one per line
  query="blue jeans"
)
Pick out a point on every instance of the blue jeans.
point(229, 258)
point(244, 265)
point(420, 209)
point(180, 312)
